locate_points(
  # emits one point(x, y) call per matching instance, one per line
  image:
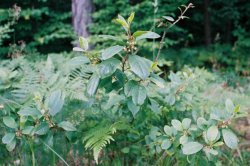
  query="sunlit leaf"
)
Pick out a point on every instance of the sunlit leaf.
point(140, 66)
point(111, 51)
point(10, 122)
point(230, 138)
point(191, 148)
point(93, 84)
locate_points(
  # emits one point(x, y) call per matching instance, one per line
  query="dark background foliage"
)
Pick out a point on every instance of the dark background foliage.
point(218, 41)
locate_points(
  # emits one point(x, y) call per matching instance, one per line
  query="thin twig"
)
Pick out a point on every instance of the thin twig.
point(190, 5)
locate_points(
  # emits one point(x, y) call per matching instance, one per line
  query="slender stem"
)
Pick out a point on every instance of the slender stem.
point(32, 153)
point(166, 29)
point(55, 153)
point(154, 23)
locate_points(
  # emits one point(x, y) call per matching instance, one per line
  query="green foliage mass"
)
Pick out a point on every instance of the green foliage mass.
point(44, 25)
point(115, 105)
point(119, 106)
point(229, 24)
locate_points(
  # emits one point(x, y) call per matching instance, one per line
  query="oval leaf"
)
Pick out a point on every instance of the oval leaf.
point(168, 130)
point(29, 112)
point(229, 106)
point(131, 17)
point(212, 133)
point(191, 148)
point(83, 43)
point(168, 18)
point(93, 84)
point(55, 102)
point(139, 94)
point(79, 60)
point(177, 125)
point(111, 51)
point(186, 123)
point(230, 138)
point(8, 137)
point(10, 122)
point(29, 130)
point(134, 109)
point(148, 35)
point(140, 66)
point(108, 67)
point(183, 139)
point(42, 129)
point(165, 144)
point(11, 146)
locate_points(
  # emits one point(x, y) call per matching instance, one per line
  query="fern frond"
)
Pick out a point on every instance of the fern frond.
point(99, 137)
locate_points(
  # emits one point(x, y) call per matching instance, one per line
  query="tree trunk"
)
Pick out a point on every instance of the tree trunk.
point(81, 11)
point(207, 25)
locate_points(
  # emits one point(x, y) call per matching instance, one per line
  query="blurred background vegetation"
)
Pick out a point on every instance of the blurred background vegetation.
point(216, 35)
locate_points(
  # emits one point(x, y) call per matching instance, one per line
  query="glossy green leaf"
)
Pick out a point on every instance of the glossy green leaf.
point(11, 146)
point(67, 126)
point(79, 60)
point(166, 143)
point(201, 122)
point(186, 122)
point(137, 92)
point(131, 17)
point(168, 130)
point(140, 66)
point(139, 95)
point(154, 106)
point(93, 84)
point(230, 106)
point(139, 33)
point(212, 133)
point(108, 67)
point(55, 102)
point(177, 125)
point(83, 43)
point(10, 122)
point(237, 109)
point(29, 112)
point(28, 130)
point(8, 137)
point(129, 87)
point(111, 51)
point(183, 139)
point(191, 148)
point(148, 35)
point(42, 129)
point(134, 109)
point(168, 18)
point(230, 138)
point(218, 144)
point(124, 22)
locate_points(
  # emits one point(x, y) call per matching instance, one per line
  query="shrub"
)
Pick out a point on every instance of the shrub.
point(122, 105)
